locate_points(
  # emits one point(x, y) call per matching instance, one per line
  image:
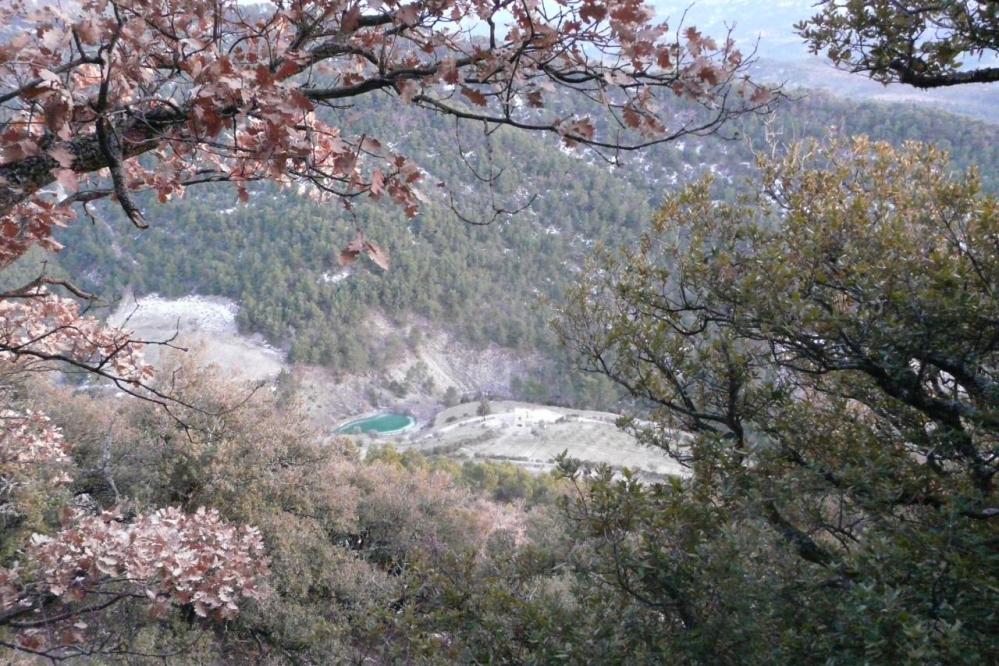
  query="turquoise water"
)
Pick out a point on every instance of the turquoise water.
point(380, 423)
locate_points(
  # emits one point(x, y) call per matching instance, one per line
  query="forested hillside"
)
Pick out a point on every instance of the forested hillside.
point(278, 255)
point(789, 303)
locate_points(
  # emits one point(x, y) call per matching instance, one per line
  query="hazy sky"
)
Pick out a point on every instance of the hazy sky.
point(770, 21)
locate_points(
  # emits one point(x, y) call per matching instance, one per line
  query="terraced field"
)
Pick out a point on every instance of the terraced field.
point(532, 436)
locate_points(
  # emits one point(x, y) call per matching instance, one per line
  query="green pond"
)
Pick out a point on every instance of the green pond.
point(384, 424)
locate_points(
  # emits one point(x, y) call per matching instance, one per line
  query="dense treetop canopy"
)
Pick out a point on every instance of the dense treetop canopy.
point(828, 346)
point(821, 353)
point(104, 99)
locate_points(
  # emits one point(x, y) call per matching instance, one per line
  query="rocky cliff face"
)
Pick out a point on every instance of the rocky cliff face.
point(419, 378)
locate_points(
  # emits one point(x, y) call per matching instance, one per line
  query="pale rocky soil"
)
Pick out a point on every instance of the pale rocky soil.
point(199, 323)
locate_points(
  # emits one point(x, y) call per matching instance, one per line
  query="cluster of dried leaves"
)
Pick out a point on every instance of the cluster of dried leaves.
point(58, 582)
point(38, 326)
point(166, 558)
point(33, 457)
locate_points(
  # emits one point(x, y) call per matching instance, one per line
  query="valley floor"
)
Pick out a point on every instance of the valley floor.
point(526, 434)
point(532, 436)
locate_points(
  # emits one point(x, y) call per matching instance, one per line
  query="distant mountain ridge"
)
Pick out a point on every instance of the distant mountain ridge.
point(767, 26)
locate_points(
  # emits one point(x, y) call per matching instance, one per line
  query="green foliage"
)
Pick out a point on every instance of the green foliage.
point(451, 397)
point(34, 263)
point(814, 352)
point(820, 351)
point(668, 580)
point(822, 356)
point(499, 481)
point(922, 44)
